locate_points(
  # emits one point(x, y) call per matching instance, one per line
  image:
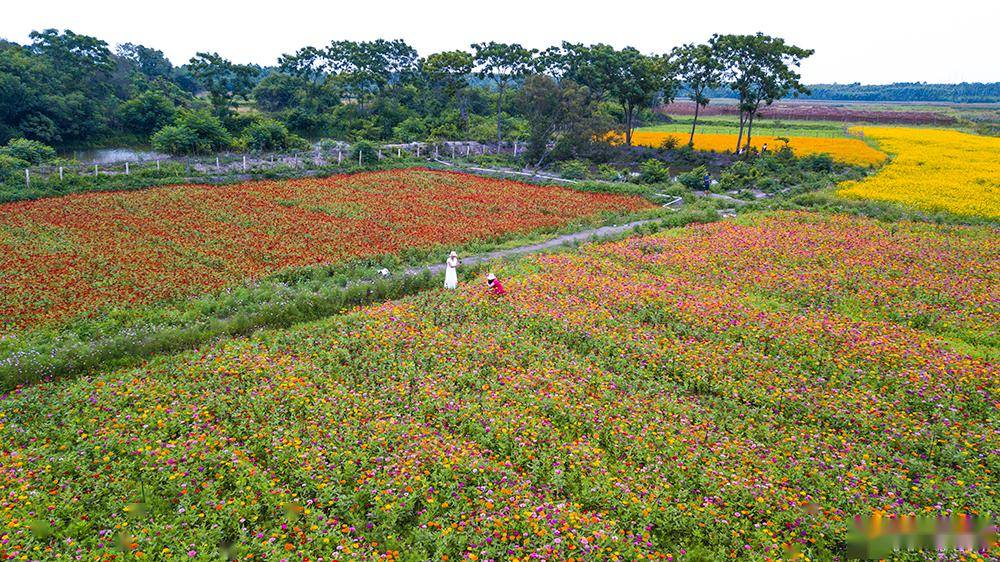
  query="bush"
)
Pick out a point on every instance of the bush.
point(268, 134)
point(739, 176)
point(11, 167)
point(147, 113)
point(194, 132)
point(30, 151)
point(669, 143)
point(695, 179)
point(574, 169)
point(817, 162)
point(367, 151)
point(654, 171)
point(609, 172)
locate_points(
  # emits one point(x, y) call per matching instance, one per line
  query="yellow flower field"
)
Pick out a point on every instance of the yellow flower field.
point(846, 150)
point(935, 170)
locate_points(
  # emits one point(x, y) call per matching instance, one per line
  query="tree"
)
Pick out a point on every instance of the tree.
point(146, 113)
point(595, 66)
point(698, 68)
point(560, 116)
point(448, 72)
point(760, 70)
point(369, 67)
point(222, 79)
point(503, 64)
point(149, 62)
point(640, 80)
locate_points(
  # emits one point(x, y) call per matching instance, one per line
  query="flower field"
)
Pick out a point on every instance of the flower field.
point(68, 256)
point(735, 390)
point(935, 170)
point(845, 150)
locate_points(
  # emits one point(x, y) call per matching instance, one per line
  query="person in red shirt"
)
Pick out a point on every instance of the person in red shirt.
point(494, 286)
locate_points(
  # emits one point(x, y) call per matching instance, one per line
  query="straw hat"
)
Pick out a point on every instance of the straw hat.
point(491, 277)
point(454, 254)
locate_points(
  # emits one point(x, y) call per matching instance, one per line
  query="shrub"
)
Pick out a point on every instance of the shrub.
point(194, 132)
point(268, 134)
point(30, 151)
point(669, 143)
point(817, 162)
point(147, 113)
point(574, 169)
point(654, 171)
point(609, 172)
point(695, 179)
point(367, 151)
point(11, 167)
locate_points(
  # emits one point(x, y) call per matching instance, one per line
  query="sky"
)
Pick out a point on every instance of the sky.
point(870, 41)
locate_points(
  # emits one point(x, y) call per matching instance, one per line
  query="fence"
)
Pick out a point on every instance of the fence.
point(339, 155)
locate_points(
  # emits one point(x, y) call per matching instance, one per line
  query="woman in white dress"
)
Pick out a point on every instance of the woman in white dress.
point(451, 272)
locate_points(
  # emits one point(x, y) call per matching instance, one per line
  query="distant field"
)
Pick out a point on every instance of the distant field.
point(845, 150)
point(726, 125)
point(935, 170)
point(62, 257)
point(826, 111)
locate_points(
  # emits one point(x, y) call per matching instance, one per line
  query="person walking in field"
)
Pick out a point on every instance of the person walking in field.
point(494, 286)
point(451, 272)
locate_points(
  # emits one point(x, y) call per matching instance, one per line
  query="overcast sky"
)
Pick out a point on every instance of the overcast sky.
point(869, 41)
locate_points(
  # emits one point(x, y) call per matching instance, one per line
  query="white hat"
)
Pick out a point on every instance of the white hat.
point(491, 277)
point(454, 254)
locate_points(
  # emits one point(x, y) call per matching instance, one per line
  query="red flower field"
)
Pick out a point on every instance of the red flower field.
point(71, 255)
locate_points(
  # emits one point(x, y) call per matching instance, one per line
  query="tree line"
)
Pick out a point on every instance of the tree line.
point(69, 90)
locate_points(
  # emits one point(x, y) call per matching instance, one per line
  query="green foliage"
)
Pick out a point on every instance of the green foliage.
point(29, 151)
point(654, 171)
point(364, 151)
point(194, 132)
point(11, 168)
point(574, 169)
point(147, 113)
point(270, 135)
point(694, 179)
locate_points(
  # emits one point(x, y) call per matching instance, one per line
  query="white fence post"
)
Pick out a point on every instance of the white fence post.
point(468, 150)
point(340, 156)
point(60, 173)
point(157, 165)
point(515, 149)
point(27, 178)
point(380, 155)
point(399, 152)
point(126, 169)
point(452, 152)
point(244, 162)
point(360, 152)
point(218, 167)
point(95, 170)
point(418, 150)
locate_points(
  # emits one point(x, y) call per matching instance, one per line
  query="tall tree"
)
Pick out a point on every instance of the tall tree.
point(502, 63)
point(561, 116)
point(640, 80)
point(369, 67)
point(699, 69)
point(760, 69)
point(223, 80)
point(448, 72)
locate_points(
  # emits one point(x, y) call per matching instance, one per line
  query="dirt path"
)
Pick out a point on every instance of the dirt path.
point(562, 240)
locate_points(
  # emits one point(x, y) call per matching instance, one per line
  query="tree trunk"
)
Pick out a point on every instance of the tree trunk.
point(750, 129)
point(694, 123)
point(739, 139)
point(463, 112)
point(629, 109)
point(499, 108)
